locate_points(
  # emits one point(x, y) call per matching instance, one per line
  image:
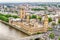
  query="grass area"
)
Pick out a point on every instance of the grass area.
point(5, 17)
point(50, 29)
point(52, 35)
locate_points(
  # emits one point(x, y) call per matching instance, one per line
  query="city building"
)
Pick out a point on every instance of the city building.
point(30, 26)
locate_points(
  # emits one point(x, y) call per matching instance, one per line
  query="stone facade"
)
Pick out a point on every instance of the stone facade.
point(31, 27)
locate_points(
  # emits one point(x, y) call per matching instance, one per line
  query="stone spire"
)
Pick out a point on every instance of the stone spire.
point(22, 12)
point(28, 18)
point(46, 21)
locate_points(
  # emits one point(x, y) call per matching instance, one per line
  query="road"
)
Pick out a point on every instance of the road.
point(9, 33)
point(56, 32)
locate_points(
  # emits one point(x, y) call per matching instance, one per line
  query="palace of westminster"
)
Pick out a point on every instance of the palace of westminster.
point(29, 26)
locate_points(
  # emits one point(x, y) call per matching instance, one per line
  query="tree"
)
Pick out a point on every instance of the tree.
point(59, 38)
point(1, 14)
point(50, 29)
point(39, 32)
point(49, 19)
point(53, 23)
point(33, 16)
point(5, 17)
point(37, 9)
point(39, 18)
point(51, 35)
point(59, 21)
point(15, 16)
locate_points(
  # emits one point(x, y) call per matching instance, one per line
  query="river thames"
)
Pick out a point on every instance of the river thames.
point(9, 33)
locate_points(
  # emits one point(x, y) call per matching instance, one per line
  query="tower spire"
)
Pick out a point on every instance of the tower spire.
point(46, 21)
point(28, 18)
point(22, 12)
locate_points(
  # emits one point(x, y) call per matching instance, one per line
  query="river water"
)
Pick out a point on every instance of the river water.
point(9, 33)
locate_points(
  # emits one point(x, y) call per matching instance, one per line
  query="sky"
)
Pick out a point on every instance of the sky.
point(18, 1)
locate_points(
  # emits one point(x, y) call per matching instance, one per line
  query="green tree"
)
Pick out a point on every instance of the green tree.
point(51, 35)
point(50, 29)
point(59, 21)
point(7, 15)
point(1, 14)
point(37, 9)
point(49, 19)
point(53, 23)
point(33, 16)
point(39, 32)
point(39, 18)
point(4, 18)
point(59, 38)
point(15, 16)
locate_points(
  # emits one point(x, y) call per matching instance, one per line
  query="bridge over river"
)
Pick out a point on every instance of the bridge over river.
point(9, 33)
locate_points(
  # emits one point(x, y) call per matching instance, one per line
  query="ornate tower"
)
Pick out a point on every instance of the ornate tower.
point(22, 13)
point(46, 23)
point(28, 18)
point(10, 20)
